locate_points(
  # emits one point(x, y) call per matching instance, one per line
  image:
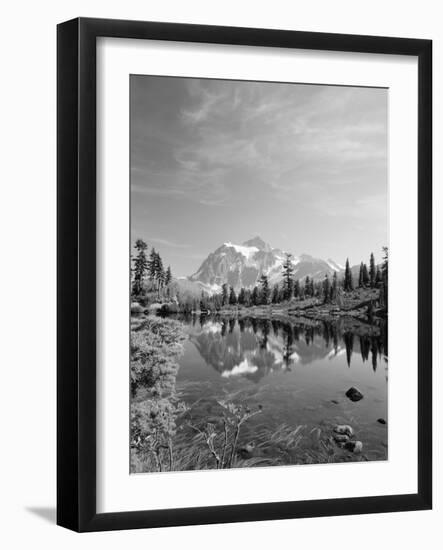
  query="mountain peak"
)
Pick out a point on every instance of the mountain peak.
point(258, 242)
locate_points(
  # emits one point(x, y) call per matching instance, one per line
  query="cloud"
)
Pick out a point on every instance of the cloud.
point(166, 242)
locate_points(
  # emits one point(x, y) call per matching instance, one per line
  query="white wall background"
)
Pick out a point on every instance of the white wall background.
point(27, 272)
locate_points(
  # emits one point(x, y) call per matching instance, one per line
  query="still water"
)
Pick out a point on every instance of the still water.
point(298, 374)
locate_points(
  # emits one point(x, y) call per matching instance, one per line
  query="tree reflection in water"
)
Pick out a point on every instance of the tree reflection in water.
point(253, 347)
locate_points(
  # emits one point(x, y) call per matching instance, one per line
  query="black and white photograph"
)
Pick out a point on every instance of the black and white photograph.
point(259, 274)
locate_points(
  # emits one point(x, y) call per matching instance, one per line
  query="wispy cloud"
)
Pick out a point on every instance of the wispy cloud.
point(279, 158)
point(166, 242)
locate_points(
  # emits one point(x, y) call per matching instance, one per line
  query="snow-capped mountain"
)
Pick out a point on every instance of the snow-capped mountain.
point(241, 265)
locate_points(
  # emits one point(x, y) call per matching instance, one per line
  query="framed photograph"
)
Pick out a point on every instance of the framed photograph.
point(244, 274)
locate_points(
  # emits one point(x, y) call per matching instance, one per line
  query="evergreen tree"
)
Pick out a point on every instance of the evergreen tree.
point(151, 264)
point(297, 289)
point(378, 278)
point(168, 276)
point(159, 271)
point(348, 283)
point(232, 297)
point(384, 276)
point(275, 295)
point(360, 276)
point(365, 275)
point(225, 296)
point(372, 272)
point(264, 295)
point(255, 297)
point(326, 289)
point(242, 296)
point(307, 287)
point(288, 270)
point(333, 290)
point(140, 266)
point(312, 288)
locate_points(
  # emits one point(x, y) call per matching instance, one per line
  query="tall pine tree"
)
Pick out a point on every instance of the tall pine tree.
point(168, 276)
point(232, 297)
point(334, 285)
point(288, 271)
point(372, 271)
point(365, 275)
point(326, 289)
point(255, 297)
point(297, 289)
point(264, 294)
point(384, 276)
point(225, 295)
point(348, 283)
point(242, 296)
point(275, 295)
point(307, 287)
point(140, 266)
point(360, 276)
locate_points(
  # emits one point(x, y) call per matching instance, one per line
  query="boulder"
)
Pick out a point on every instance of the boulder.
point(354, 394)
point(136, 308)
point(354, 446)
point(344, 429)
point(381, 420)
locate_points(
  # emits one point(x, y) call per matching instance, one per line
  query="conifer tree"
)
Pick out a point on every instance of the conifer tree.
point(372, 270)
point(288, 270)
point(242, 296)
point(255, 297)
point(225, 296)
point(333, 291)
point(264, 294)
point(307, 287)
point(360, 276)
point(151, 264)
point(275, 295)
point(297, 289)
point(365, 275)
point(168, 276)
point(312, 288)
point(348, 283)
point(232, 297)
point(326, 289)
point(378, 278)
point(140, 266)
point(384, 276)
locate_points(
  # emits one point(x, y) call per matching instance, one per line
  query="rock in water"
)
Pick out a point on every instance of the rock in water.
point(354, 394)
point(381, 420)
point(344, 429)
point(354, 446)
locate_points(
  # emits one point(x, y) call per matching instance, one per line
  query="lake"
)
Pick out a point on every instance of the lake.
point(297, 373)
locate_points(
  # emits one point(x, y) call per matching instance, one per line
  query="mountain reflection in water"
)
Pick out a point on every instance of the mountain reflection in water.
point(253, 348)
point(298, 373)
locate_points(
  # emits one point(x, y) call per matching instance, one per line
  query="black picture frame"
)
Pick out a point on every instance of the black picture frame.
point(76, 280)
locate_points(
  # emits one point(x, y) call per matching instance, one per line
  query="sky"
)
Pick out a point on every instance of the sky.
point(302, 166)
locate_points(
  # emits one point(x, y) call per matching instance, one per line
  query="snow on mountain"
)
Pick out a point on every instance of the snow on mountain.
point(334, 265)
point(247, 251)
point(242, 265)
